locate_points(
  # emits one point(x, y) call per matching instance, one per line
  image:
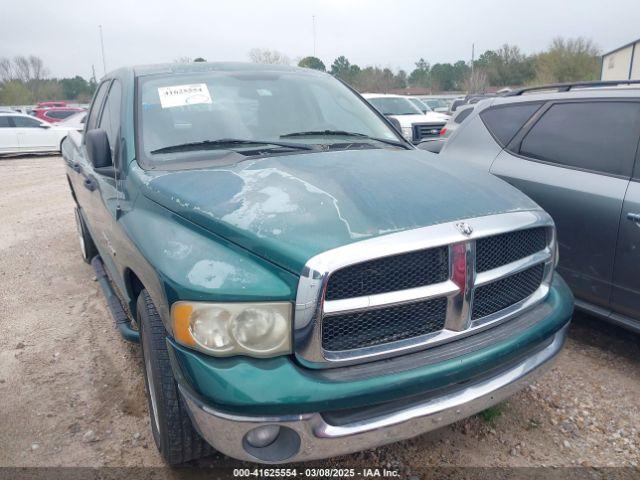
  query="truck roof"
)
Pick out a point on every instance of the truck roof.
point(195, 67)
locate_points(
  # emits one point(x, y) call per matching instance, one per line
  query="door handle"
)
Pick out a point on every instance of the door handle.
point(634, 217)
point(90, 184)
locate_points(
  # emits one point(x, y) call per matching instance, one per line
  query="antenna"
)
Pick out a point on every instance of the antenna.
point(313, 18)
point(104, 63)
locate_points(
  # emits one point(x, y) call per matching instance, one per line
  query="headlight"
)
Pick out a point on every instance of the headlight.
point(407, 132)
point(224, 329)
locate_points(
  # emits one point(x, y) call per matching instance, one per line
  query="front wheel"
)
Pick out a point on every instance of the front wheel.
point(88, 249)
point(173, 432)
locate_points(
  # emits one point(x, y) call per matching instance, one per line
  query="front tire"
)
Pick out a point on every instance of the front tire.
point(88, 249)
point(173, 432)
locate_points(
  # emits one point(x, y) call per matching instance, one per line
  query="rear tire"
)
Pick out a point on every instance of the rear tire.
point(88, 249)
point(173, 432)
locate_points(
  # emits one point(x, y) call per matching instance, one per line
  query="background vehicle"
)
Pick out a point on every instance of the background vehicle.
point(54, 104)
point(573, 148)
point(423, 107)
point(415, 125)
point(21, 133)
point(438, 104)
point(75, 121)
point(55, 114)
point(458, 117)
point(264, 235)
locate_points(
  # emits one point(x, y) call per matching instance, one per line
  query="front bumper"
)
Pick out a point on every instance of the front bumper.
point(316, 438)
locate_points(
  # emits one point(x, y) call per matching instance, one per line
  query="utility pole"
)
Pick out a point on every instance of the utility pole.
point(473, 80)
point(313, 18)
point(104, 63)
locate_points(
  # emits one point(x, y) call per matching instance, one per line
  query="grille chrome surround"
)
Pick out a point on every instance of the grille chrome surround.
point(311, 306)
point(426, 130)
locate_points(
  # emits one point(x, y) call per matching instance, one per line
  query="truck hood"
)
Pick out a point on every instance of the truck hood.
point(289, 208)
point(430, 117)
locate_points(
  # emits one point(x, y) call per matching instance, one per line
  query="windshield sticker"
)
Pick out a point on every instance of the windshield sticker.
point(182, 95)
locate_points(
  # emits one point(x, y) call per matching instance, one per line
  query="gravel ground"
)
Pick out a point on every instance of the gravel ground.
point(71, 390)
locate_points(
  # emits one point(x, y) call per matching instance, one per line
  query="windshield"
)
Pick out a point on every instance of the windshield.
point(423, 107)
point(217, 113)
point(394, 106)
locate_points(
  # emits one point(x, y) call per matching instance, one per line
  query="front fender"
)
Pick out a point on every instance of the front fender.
point(181, 261)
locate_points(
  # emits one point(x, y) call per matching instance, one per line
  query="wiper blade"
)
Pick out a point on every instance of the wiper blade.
point(222, 143)
point(343, 133)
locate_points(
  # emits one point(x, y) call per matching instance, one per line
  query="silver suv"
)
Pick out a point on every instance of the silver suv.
point(574, 149)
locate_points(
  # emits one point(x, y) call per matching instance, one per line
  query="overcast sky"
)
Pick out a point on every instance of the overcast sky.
point(384, 33)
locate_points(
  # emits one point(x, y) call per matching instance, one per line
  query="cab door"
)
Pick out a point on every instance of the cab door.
point(103, 184)
point(625, 298)
point(80, 165)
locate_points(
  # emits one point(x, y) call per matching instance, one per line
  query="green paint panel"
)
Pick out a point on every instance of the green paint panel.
point(278, 385)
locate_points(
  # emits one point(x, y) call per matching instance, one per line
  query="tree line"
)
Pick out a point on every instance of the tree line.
point(24, 80)
point(565, 60)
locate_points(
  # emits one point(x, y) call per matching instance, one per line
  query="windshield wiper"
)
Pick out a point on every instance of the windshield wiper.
point(222, 143)
point(343, 133)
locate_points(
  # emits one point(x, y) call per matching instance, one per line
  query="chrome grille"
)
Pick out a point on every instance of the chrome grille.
point(426, 130)
point(383, 325)
point(409, 290)
point(498, 250)
point(498, 295)
point(388, 274)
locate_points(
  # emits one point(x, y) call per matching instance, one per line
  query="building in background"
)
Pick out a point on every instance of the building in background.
point(623, 63)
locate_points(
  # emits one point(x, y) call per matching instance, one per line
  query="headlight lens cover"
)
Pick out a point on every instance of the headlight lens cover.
point(225, 329)
point(407, 132)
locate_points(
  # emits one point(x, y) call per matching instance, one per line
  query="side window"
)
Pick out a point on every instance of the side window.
point(599, 136)
point(92, 119)
point(462, 115)
point(504, 122)
point(4, 122)
point(110, 120)
point(26, 122)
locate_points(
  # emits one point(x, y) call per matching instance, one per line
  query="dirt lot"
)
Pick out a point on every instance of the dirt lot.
point(71, 390)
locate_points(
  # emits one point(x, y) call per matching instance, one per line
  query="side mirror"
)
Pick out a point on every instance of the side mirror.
point(98, 149)
point(433, 146)
point(396, 123)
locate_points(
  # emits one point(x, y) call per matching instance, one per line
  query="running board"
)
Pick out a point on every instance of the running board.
point(113, 302)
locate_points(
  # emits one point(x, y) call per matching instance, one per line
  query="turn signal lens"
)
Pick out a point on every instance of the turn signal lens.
point(224, 329)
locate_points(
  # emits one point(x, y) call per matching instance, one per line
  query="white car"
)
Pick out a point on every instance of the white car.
point(415, 125)
point(20, 133)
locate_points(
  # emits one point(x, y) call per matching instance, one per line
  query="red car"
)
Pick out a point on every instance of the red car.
point(60, 103)
point(55, 114)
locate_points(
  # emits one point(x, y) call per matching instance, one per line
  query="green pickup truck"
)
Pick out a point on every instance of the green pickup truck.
point(303, 281)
